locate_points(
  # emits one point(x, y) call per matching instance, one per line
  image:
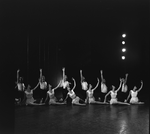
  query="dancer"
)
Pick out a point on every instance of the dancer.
point(29, 96)
point(103, 83)
point(134, 99)
point(113, 95)
point(84, 84)
point(75, 99)
point(124, 86)
point(20, 89)
point(43, 86)
point(51, 95)
point(90, 98)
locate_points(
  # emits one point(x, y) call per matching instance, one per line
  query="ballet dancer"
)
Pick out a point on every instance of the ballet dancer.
point(90, 98)
point(51, 96)
point(124, 85)
point(20, 89)
point(75, 99)
point(29, 96)
point(43, 87)
point(103, 83)
point(113, 94)
point(133, 93)
point(84, 84)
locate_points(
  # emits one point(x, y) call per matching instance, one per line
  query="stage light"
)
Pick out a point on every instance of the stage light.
point(123, 57)
point(123, 49)
point(123, 42)
point(123, 35)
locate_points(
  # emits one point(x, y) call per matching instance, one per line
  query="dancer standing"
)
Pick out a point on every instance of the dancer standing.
point(123, 94)
point(84, 84)
point(133, 93)
point(75, 99)
point(113, 94)
point(43, 87)
point(20, 89)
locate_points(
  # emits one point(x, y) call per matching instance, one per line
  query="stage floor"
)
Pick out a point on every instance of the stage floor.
point(90, 119)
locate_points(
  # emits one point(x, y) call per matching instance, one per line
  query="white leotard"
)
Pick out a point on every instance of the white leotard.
point(134, 97)
point(103, 88)
point(64, 84)
point(20, 86)
point(90, 93)
point(113, 97)
point(84, 85)
point(124, 88)
point(43, 85)
point(72, 94)
point(29, 96)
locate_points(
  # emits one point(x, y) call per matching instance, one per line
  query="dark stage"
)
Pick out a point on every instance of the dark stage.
point(90, 119)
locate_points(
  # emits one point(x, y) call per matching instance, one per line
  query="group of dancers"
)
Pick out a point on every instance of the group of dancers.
point(47, 92)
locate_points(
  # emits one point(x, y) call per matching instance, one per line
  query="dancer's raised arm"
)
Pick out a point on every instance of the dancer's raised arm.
point(126, 76)
point(81, 76)
point(119, 86)
point(74, 83)
point(96, 84)
point(102, 78)
point(63, 69)
point(18, 75)
point(140, 86)
point(41, 74)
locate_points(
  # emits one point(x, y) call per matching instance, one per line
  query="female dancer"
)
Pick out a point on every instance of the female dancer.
point(75, 99)
point(124, 86)
point(103, 83)
point(29, 96)
point(43, 86)
point(84, 84)
point(51, 95)
point(113, 95)
point(134, 99)
point(20, 89)
point(90, 98)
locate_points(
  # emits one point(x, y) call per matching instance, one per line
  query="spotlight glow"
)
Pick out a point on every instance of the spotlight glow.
point(123, 35)
point(123, 57)
point(123, 42)
point(123, 49)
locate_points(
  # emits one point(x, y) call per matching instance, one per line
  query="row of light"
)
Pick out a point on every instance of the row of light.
point(123, 49)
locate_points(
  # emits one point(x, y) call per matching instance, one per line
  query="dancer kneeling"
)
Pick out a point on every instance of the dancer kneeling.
point(134, 99)
point(113, 95)
point(90, 98)
point(75, 99)
point(29, 96)
point(51, 95)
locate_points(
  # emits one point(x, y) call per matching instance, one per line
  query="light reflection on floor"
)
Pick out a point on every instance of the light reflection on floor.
point(91, 119)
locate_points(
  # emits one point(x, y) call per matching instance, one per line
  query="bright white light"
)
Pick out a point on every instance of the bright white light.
point(123, 57)
point(123, 49)
point(123, 42)
point(123, 35)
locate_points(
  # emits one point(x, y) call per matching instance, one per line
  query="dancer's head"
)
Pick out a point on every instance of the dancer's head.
point(20, 79)
point(42, 79)
point(28, 88)
point(113, 87)
point(134, 88)
point(90, 86)
point(49, 87)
